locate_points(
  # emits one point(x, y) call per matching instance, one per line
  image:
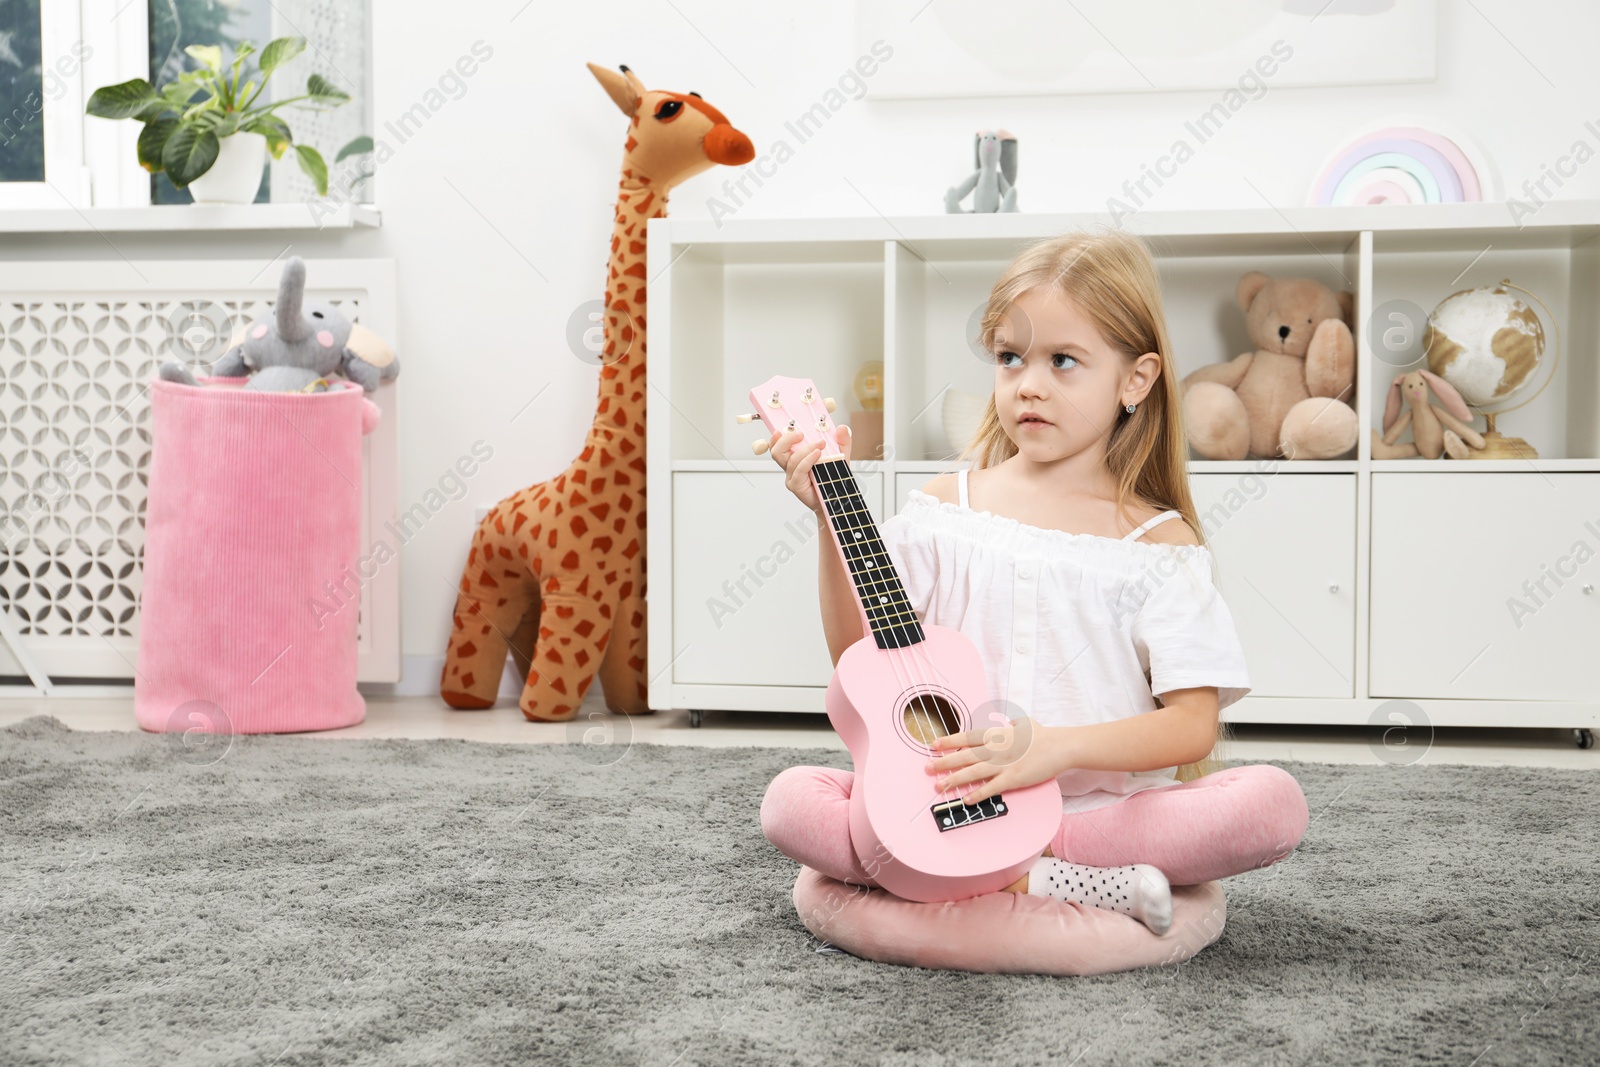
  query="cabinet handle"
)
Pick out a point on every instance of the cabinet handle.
point(1334, 588)
point(1588, 587)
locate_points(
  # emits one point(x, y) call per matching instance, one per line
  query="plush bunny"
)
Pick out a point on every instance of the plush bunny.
point(1454, 438)
point(1291, 397)
point(993, 181)
point(296, 347)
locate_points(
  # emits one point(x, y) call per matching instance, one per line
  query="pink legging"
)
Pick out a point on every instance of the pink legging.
point(1222, 824)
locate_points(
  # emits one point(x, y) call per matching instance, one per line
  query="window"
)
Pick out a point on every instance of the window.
point(41, 96)
point(22, 84)
point(55, 53)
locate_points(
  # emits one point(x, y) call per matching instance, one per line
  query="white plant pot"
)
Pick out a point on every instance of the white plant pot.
point(235, 177)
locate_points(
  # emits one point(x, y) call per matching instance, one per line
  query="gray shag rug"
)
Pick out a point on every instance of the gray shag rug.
point(298, 900)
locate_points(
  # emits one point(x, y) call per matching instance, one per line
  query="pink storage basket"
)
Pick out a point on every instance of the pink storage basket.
point(253, 514)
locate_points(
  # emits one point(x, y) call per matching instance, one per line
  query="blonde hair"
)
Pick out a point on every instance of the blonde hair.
point(1110, 276)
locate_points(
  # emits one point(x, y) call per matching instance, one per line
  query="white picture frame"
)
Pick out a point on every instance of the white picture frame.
point(967, 48)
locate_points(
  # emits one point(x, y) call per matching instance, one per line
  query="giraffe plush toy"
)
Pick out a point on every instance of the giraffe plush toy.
point(556, 574)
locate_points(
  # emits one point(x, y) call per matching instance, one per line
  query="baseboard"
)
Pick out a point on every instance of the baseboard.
point(419, 677)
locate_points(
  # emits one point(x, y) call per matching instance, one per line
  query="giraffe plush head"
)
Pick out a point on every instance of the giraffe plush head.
point(674, 135)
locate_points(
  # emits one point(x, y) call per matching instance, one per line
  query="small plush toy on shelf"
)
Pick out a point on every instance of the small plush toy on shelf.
point(1435, 430)
point(866, 425)
point(296, 347)
point(993, 181)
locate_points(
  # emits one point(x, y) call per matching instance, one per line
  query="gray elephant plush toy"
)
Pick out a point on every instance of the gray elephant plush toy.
point(993, 181)
point(297, 346)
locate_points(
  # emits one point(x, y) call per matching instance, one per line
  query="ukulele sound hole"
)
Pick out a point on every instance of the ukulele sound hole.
point(929, 716)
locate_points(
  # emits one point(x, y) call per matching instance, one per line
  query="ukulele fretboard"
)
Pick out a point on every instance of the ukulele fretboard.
point(894, 624)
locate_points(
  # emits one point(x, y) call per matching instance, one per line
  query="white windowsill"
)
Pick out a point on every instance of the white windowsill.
point(189, 217)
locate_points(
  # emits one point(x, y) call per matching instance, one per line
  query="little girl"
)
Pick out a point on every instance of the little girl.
point(1071, 556)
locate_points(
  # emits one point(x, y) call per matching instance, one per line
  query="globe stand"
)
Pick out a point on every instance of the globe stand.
point(1497, 445)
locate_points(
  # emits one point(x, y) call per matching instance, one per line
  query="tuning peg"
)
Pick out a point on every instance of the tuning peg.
point(747, 417)
point(828, 403)
point(760, 445)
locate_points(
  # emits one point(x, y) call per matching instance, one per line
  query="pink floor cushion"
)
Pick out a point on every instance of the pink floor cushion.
point(250, 596)
point(1004, 933)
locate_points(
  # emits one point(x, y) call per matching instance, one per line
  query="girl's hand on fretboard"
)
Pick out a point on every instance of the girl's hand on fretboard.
point(797, 463)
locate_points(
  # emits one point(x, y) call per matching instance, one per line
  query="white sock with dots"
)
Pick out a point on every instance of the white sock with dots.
point(1139, 890)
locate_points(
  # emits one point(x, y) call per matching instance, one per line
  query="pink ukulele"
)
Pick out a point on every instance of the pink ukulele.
point(896, 690)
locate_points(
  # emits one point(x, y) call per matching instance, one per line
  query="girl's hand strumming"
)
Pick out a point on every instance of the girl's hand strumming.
point(1021, 753)
point(797, 463)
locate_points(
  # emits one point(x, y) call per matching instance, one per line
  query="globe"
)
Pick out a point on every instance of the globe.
point(1486, 342)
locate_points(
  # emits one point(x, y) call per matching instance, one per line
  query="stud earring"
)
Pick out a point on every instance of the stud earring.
point(1131, 407)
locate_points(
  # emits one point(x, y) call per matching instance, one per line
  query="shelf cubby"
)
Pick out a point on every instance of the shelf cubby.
point(1409, 280)
point(738, 318)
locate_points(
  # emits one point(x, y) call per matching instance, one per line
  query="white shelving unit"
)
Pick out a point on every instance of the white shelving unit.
point(1353, 582)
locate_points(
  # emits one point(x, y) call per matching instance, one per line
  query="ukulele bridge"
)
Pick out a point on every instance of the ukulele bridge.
point(953, 814)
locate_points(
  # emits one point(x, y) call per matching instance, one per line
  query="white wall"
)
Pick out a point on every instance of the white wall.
point(533, 145)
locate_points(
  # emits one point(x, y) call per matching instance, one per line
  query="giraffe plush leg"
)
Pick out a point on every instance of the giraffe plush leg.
point(477, 655)
point(496, 594)
point(574, 629)
point(523, 641)
point(622, 675)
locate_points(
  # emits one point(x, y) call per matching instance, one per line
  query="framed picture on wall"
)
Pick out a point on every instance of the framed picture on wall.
point(959, 48)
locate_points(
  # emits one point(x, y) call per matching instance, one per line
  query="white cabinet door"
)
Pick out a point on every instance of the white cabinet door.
point(745, 606)
point(1285, 547)
point(1483, 585)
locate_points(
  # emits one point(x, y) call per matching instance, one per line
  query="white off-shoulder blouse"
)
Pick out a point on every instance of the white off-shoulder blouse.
point(1074, 629)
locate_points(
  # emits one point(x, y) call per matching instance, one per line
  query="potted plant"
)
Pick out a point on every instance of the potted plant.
point(215, 144)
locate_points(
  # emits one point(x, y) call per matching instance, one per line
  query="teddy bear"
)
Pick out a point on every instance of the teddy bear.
point(1291, 397)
